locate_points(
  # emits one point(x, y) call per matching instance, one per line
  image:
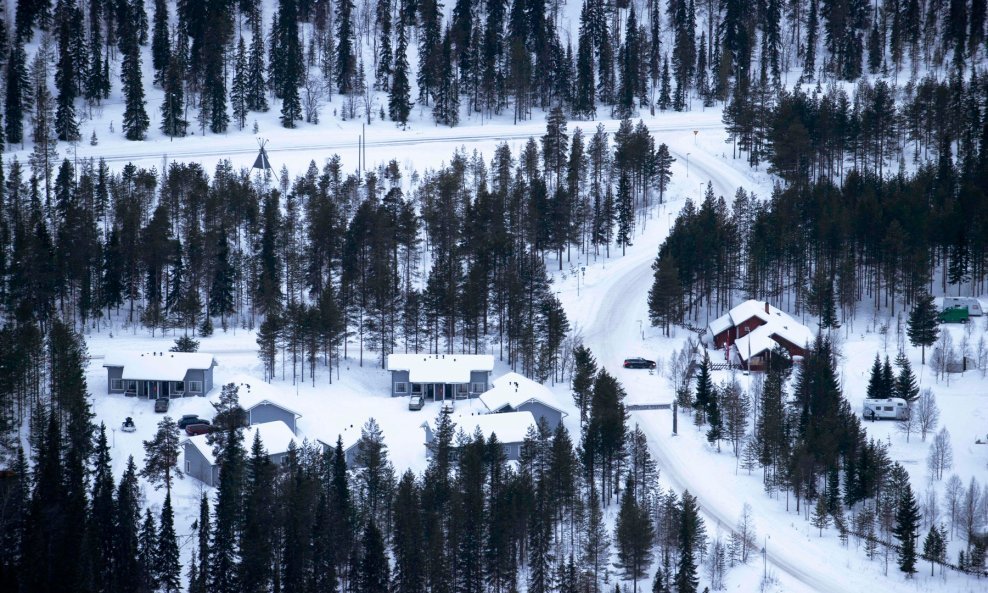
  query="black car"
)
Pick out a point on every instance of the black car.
point(161, 405)
point(638, 363)
point(190, 419)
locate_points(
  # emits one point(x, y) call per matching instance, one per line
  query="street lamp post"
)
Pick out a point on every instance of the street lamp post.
point(641, 329)
point(688, 165)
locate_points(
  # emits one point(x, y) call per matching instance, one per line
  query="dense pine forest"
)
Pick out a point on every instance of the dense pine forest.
point(871, 116)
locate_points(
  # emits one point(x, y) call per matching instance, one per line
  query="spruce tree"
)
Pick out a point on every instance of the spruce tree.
point(584, 372)
point(689, 524)
point(905, 383)
point(625, 212)
point(135, 118)
point(585, 90)
point(665, 93)
point(238, 88)
point(126, 571)
point(634, 534)
point(256, 86)
point(224, 552)
point(923, 326)
point(147, 546)
point(375, 570)
point(66, 125)
point(906, 529)
point(168, 560)
point(716, 430)
point(173, 122)
point(399, 94)
point(14, 98)
point(292, 64)
point(160, 46)
point(346, 59)
point(821, 518)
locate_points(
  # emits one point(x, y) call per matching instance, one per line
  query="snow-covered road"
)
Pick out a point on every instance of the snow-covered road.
point(609, 313)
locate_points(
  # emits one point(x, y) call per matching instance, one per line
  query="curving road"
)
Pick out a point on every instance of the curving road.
point(617, 311)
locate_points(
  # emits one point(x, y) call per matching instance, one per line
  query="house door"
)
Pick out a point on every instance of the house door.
point(151, 389)
point(430, 391)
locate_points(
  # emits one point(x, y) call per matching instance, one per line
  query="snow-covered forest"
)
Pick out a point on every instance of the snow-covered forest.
point(841, 168)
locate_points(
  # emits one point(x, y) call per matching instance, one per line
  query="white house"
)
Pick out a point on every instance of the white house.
point(159, 374)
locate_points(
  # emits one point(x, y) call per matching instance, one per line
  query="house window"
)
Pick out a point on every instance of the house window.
point(416, 388)
point(461, 388)
point(401, 387)
point(478, 387)
point(179, 386)
point(131, 386)
point(116, 384)
point(195, 386)
point(188, 466)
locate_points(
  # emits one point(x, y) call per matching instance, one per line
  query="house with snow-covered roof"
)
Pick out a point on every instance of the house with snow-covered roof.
point(440, 377)
point(157, 375)
point(748, 333)
point(510, 428)
point(350, 436)
point(516, 393)
point(200, 463)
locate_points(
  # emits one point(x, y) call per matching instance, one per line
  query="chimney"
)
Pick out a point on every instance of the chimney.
point(766, 307)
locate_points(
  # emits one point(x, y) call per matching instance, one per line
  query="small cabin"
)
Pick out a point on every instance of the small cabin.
point(512, 392)
point(894, 408)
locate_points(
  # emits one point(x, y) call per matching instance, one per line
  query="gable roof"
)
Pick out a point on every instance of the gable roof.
point(513, 390)
point(764, 337)
point(272, 403)
point(276, 436)
point(440, 368)
point(158, 366)
point(510, 427)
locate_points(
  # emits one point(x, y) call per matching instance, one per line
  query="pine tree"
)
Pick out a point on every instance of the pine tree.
point(224, 554)
point(906, 529)
point(382, 76)
point(923, 326)
point(399, 94)
point(446, 110)
point(14, 98)
point(876, 387)
point(257, 549)
point(161, 455)
point(173, 122)
point(375, 570)
point(934, 547)
point(665, 297)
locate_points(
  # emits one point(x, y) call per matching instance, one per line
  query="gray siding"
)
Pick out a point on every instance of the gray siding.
point(111, 374)
point(479, 377)
point(208, 379)
point(269, 413)
point(199, 467)
point(400, 377)
point(196, 375)
point(351, 455)
point(540, 410)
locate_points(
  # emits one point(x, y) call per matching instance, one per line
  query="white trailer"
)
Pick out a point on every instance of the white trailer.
point(972, 305)
point(894, 408)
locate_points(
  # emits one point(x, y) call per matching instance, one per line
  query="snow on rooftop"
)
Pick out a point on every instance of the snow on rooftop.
point(751, 308)
point(755, 343)
point(253, 392)
point(158, 366)
point(720, 324)
point(440, 368)
point(510, 427)
point(276, 436)
point(513, 390)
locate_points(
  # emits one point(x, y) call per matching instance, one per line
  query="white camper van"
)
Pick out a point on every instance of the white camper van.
point(973, 305)
point(885, 409)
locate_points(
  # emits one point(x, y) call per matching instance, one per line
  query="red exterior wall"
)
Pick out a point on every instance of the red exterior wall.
point(729, 335)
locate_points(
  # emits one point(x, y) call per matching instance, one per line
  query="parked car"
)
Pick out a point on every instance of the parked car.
point(161, 405)
point(416, 402)
point(197, 429)
point(128, 425)
point(638, 363)
point(190, 419)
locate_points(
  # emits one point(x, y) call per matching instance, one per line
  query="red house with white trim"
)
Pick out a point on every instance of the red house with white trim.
point(752, 329)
